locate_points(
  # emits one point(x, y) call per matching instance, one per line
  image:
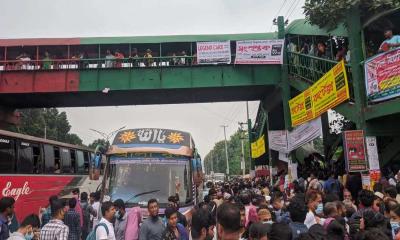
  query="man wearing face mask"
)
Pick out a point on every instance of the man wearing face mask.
point(315, 208)
point(6, 211)
point(120, 219)
point(264, 215)
point(25, 232)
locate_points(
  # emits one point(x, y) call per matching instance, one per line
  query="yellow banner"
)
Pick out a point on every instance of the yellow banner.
point(258, 147)
point(328, 92)
point(301, 109)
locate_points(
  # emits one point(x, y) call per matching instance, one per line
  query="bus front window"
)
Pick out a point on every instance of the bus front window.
point(138, 182)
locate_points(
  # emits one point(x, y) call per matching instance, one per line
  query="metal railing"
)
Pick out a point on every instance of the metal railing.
point(99, 63)
point(311, 69)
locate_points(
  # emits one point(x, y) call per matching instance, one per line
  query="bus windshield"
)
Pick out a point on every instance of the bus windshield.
point(137, 182)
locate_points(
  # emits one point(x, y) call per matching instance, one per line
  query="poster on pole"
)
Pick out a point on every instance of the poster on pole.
point(293, 171)
point(375, 176)
point(372, 153)
point(329, 91)
point(259, 52)
point(355, 151)
point(214, 52)
point(366, 181)
point(382, 76)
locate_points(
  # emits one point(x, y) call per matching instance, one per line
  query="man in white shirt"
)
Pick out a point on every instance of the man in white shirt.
point(96, 206)
point(105, 229)
point(315, 208)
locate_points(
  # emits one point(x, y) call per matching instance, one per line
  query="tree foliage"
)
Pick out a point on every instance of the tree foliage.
point(330, 13)
point(99, 141)
point(36, 122)
point(217, 155)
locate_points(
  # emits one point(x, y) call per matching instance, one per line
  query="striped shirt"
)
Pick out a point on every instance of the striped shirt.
point(54, 230)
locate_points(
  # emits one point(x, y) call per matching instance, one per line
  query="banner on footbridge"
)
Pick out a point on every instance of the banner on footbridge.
point(329, 91)
point(259, 51)
point(382, 76)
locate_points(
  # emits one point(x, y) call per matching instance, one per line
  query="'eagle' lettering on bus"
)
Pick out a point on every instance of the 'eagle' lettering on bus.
point(16, 192)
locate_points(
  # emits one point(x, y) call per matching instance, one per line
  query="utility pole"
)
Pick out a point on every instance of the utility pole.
point(249, 136)
point(243, 164)
point(212, 162)
point(226, 150)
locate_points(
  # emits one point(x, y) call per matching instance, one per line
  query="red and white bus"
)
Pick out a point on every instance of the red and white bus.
point(32, 169)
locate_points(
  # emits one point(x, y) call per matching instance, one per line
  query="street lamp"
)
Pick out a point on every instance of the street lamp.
point(109, 135)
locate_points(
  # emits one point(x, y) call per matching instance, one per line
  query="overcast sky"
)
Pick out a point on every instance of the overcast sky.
point(83, 18)
point(91, 18)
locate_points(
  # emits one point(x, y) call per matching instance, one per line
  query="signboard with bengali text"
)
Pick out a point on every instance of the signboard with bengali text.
point(328, 92)
point(301, 109)
point(382, 76)
point(259, 52)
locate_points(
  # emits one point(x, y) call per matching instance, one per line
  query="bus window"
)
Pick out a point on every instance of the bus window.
point(66, 161)
point(37, 159)
point(25, 158)
point(86, 156)
point(57, 160)
point(73, 158)
point(49, 159)
point(7, 155)
point(81, 161)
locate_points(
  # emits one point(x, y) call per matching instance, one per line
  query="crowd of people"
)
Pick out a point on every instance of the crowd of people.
point(112, 59)
point(236, 209)
point(337, 48)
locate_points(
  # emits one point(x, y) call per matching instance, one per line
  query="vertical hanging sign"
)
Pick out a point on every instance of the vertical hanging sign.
point(354, 147)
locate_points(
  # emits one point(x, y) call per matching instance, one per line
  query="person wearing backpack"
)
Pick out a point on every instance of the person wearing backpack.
point(104, 230)
point(87, 211)
point(332, 185)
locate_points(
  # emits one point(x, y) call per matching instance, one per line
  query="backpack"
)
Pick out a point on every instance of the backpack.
point(92, 234)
